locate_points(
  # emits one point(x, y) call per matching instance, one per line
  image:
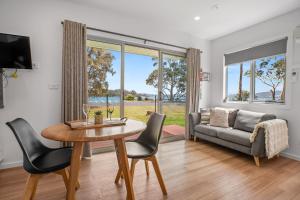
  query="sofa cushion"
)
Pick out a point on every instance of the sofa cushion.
point(219, 118)
point(235, 136)
point(231, 116)
point(207, 129)
point(246, 120)
point(267, 117)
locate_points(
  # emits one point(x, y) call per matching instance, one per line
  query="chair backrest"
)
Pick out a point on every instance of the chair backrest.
point(152, 134)
point(27, 138)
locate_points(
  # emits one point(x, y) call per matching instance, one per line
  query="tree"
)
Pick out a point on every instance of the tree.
point(271, 74)
point(240, 90)
point(243, 96)
point(99, 64)
point(174, 78)
point(129, 97)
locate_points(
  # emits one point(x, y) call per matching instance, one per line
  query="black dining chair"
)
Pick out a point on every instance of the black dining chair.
point(145, 148)
point(39, 159)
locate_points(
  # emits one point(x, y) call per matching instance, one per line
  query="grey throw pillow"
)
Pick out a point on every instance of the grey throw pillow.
point(246, 120)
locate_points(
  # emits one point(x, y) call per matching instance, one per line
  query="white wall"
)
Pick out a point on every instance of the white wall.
point(260, 33)
point(29, 96)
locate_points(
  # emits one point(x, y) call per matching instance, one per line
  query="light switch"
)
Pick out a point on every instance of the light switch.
point(53, 86)
point(295, 75)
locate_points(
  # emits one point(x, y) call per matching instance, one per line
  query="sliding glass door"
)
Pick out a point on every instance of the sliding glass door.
point(104, 83)
point(104, 75)
point(140, 82)
point(136, 81)
point(173, 91)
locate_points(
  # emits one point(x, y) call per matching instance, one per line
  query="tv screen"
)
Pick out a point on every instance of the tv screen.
point(15, 52)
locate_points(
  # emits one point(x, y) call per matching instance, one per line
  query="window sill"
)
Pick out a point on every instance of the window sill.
point(256, 104)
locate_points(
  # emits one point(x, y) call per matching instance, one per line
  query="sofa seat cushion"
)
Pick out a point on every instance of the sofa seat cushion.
point(235, 136)
point(208, 129)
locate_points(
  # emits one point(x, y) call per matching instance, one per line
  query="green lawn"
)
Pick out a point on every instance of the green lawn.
point(174, 113)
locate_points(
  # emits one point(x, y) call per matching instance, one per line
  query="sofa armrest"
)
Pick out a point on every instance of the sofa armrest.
point(194, 119)
point(258, 147)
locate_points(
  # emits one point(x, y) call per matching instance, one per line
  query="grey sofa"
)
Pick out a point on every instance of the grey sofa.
point(235, 137)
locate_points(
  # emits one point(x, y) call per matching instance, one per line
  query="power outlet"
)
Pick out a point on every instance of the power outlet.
point(35, 65)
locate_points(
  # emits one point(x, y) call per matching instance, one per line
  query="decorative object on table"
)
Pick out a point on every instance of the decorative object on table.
point(98, 117)
point(86, 110)
point(80, 124)
point(110, 110)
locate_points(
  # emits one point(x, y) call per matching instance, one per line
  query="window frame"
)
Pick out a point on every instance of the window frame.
point(252, 84)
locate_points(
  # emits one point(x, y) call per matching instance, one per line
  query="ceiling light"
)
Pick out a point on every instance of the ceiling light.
point(197, 18)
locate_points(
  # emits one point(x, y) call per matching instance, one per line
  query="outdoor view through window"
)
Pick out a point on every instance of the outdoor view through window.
point(267, 76)
point(142, 82)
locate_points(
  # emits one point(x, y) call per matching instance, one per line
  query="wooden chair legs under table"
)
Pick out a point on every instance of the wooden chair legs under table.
point(158, 174)
point(124, 167)
point(156, 169)
point(31, 185)
point(147, 168)
point(32, 182)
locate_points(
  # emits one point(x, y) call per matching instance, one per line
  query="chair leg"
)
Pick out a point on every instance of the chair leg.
point(65, 175)
point(31, 186)
point(158, 174)
point(147, 167)
point(132, 167)
point(256, 160)
point(119, 175)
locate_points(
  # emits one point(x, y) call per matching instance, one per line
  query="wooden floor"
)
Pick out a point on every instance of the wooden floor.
point(191, 171)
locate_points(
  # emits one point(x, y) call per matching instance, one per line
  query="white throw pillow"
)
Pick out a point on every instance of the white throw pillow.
point(219, 117)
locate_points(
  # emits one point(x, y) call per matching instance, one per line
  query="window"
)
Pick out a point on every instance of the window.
point(270, 79)
point(257, 74)
point(238, 83)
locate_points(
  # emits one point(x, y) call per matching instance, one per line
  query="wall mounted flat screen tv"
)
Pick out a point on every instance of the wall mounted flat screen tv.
point(15, 52)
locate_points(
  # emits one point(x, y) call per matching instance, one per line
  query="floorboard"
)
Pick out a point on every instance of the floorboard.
point(191, 170)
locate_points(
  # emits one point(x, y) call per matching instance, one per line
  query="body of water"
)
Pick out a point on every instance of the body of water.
point(102, 100)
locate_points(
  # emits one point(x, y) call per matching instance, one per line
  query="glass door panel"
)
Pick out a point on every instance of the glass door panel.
point(104, 82)
point(104, 75)
point(140, 82)
point(174, 77)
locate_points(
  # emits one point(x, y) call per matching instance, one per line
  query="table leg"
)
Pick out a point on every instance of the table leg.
point(74, 170)
point(124, 166)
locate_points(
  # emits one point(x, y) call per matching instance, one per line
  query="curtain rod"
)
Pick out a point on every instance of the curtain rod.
point(134, 37)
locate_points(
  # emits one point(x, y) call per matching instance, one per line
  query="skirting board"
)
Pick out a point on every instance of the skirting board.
point(11, 164)
point(291, 156)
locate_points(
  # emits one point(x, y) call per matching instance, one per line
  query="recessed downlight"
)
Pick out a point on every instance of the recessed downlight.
point(197, 18)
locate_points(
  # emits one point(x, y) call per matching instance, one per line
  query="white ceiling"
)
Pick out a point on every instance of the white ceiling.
point(232, 15)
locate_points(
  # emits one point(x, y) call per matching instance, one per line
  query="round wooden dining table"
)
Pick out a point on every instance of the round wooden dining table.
point(63, 132)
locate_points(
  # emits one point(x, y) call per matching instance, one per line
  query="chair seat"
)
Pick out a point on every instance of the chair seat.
point(55, 159)
point(138, 150)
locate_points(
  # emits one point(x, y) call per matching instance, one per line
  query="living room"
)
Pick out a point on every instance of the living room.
point(162, 37)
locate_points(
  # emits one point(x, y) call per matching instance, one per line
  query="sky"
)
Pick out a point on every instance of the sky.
point(233, 79)
point(137, 70)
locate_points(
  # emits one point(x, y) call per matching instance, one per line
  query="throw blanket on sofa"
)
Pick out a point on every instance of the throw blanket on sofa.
point(276, 136)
